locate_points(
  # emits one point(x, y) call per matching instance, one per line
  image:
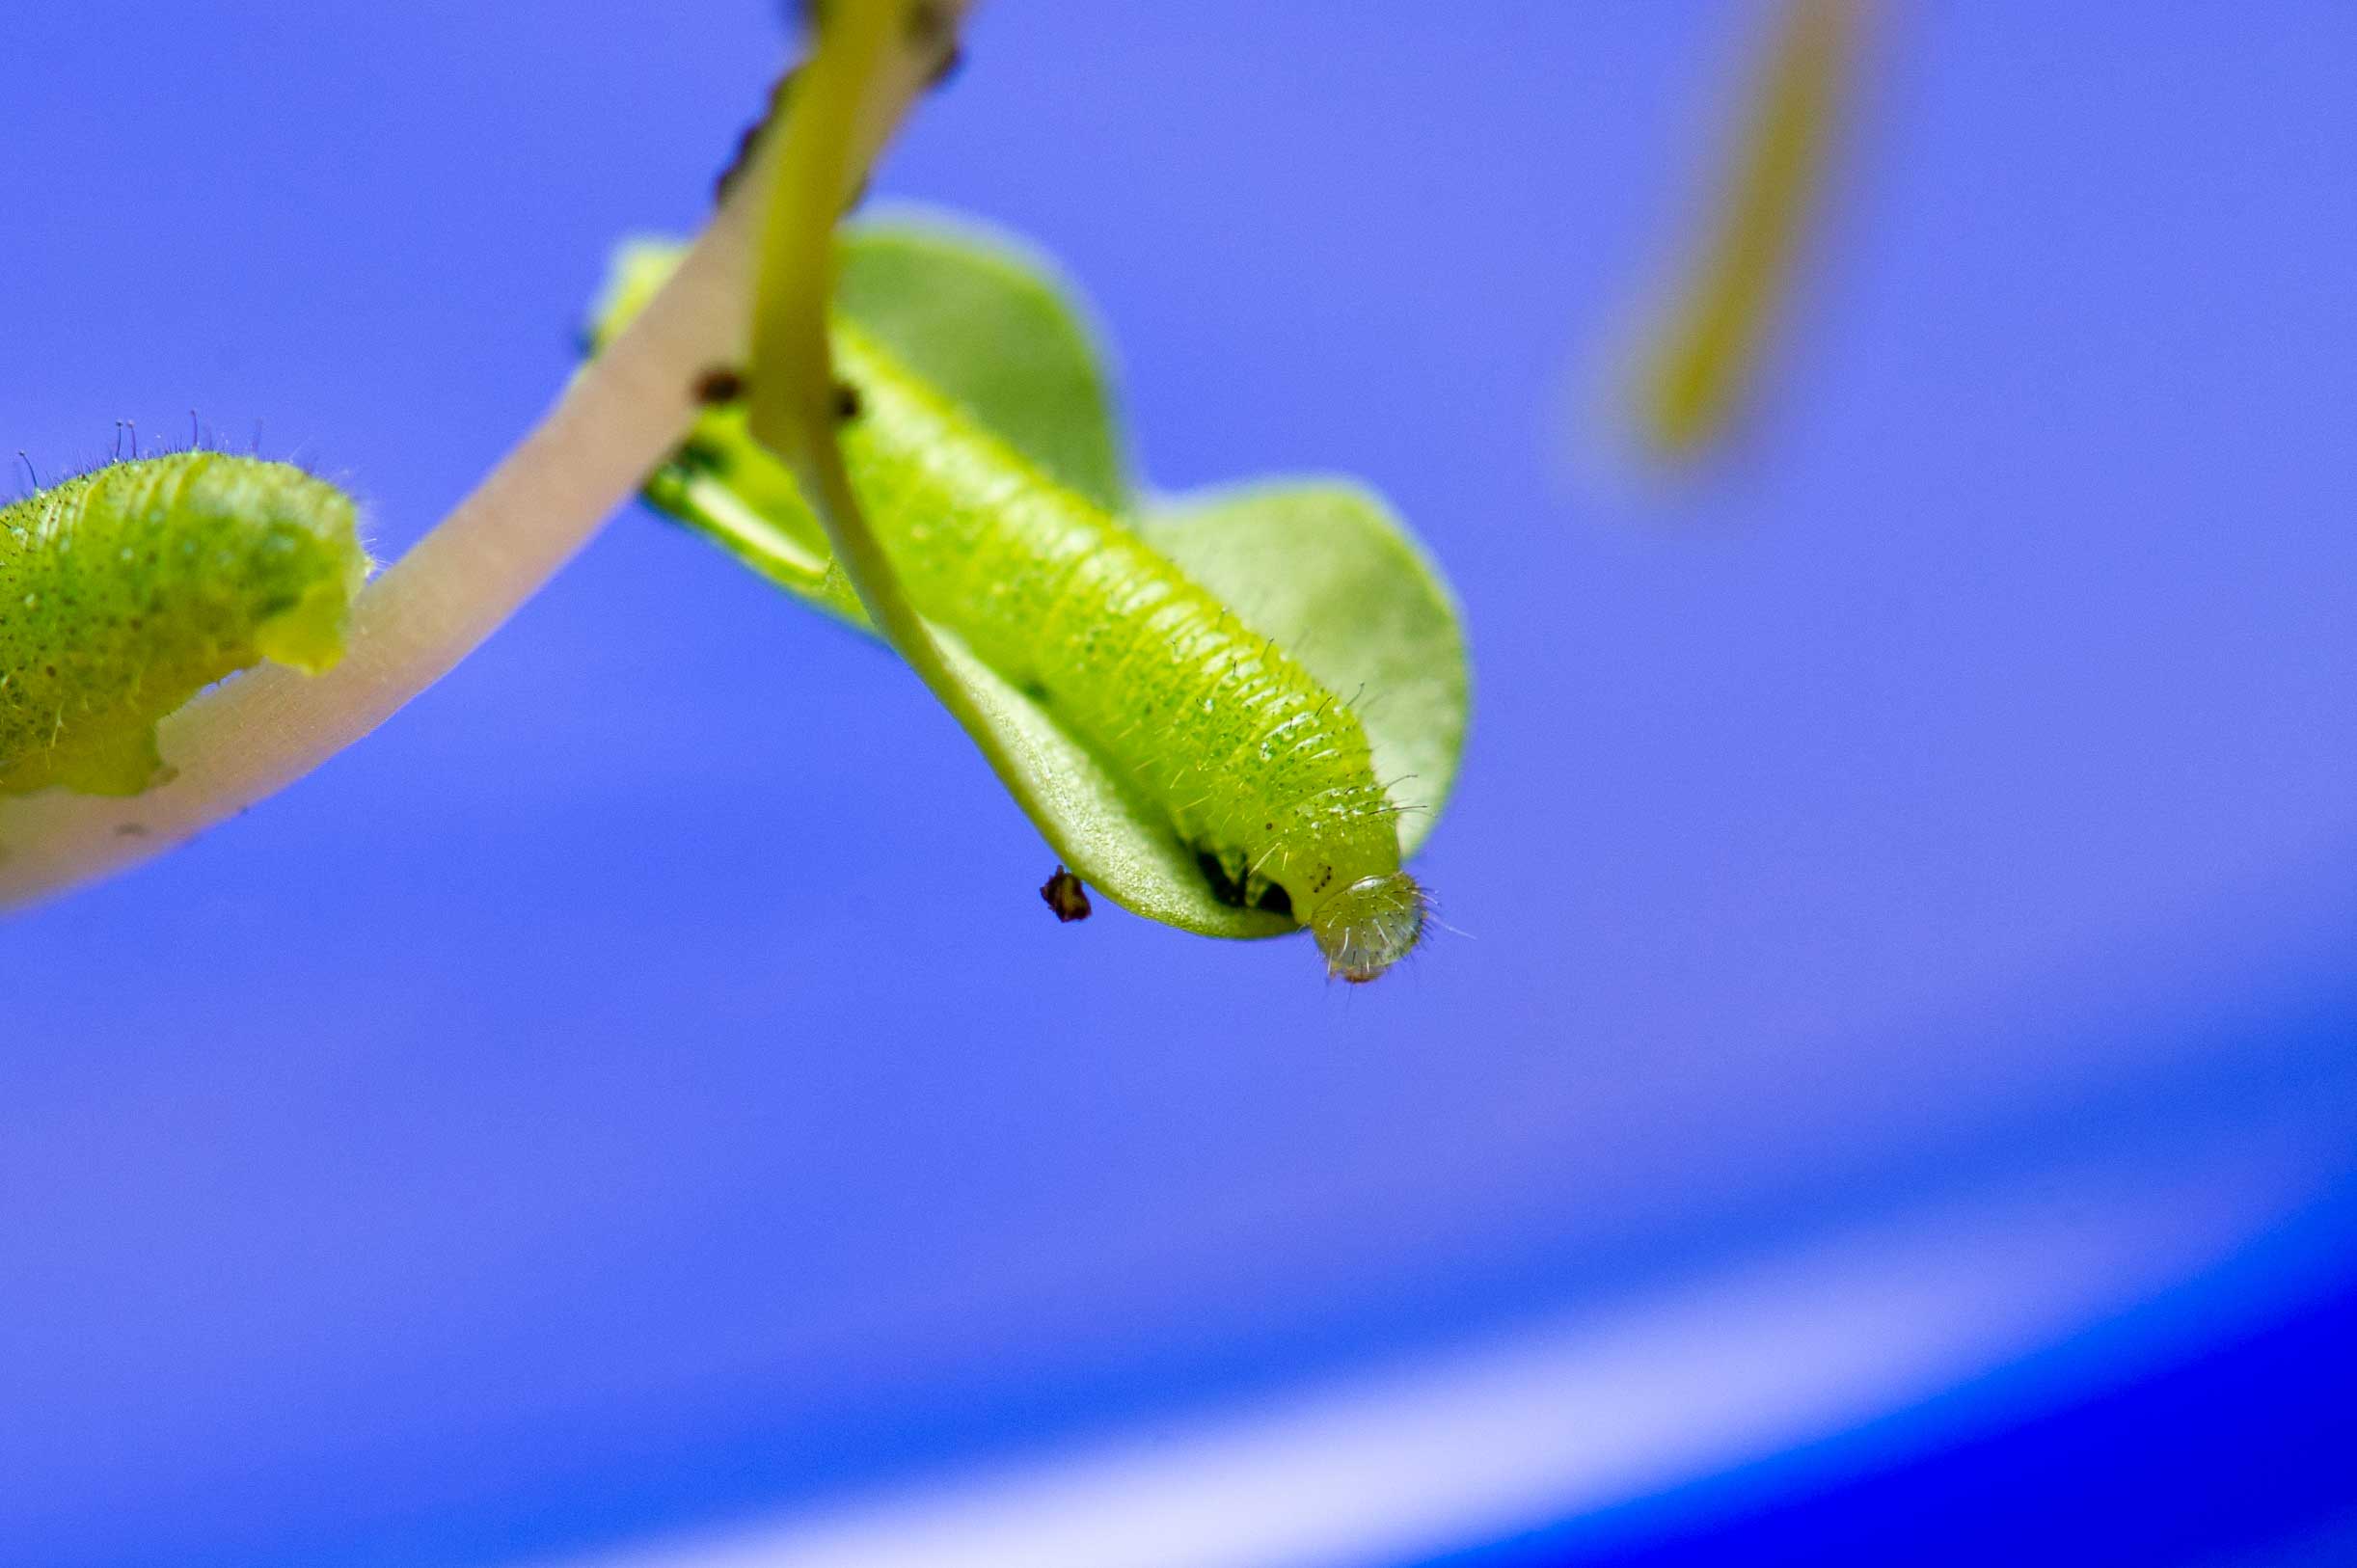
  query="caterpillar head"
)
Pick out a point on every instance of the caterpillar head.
point(1369, 926)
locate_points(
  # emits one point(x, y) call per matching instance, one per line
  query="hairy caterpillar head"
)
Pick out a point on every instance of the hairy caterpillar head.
point(1369, 926)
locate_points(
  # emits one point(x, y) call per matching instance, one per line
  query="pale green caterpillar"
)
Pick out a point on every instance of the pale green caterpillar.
point(127, 590)
point(1264, 774)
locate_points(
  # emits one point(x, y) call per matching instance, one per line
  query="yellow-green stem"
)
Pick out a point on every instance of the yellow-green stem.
point(870, 62)
point(1699, 368)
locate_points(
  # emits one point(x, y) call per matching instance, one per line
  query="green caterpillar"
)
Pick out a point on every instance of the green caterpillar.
point(1264, 774)
point(127, 590)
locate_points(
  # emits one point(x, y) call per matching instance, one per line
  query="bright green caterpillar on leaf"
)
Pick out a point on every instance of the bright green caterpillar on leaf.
point(125, 591)
point(1181, 694)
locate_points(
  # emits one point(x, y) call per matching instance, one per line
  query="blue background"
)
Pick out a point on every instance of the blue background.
point(640, 1085)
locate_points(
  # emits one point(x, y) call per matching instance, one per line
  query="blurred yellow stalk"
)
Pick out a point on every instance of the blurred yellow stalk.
point(1696, 371)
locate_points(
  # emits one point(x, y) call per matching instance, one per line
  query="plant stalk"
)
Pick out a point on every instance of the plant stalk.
point(254, 734)
point(873, 59)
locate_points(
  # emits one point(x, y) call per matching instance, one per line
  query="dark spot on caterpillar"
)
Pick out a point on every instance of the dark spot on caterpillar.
point(1226, 885)
point(1233, 883)
point(131, 830)
point(1035, 691)
point(1064, 894)
point(846, 402)
point(718, 385)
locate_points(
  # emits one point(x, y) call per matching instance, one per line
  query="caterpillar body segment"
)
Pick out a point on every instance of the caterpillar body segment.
point(125, 591)
point(1261, 769)
point(1183, 734)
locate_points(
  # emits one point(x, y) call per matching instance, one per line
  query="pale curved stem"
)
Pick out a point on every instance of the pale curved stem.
point(257, 733)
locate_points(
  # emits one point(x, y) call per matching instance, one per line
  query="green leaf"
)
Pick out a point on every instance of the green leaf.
point(979, 316)
point(1110, 839)
point(1320, 567)
point(1324, 570)
point(989, 323)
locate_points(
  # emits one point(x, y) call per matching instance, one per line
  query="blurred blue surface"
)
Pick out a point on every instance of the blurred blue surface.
point(2236, 1456)
point(639, 1087)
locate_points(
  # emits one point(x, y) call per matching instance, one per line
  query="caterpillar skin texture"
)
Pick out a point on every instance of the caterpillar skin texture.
point(127, 590)
point(1261, 771)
